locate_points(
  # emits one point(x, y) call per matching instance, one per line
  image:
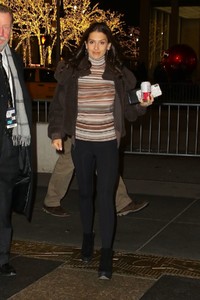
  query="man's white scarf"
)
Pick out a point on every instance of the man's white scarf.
point(21, 133)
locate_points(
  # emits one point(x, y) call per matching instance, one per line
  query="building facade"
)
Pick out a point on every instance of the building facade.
point(165, 23)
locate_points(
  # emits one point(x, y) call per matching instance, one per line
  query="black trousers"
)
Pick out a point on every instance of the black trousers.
point(101, 158)
point(9, 169)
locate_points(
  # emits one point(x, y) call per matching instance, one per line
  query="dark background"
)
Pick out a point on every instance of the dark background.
point(129, 8)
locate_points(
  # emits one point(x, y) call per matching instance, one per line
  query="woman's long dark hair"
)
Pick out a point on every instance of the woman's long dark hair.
point(113, 55)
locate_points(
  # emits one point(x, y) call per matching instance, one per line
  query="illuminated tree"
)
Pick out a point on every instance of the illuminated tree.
point(130, 43)
point(32, 19)
point(35, 24)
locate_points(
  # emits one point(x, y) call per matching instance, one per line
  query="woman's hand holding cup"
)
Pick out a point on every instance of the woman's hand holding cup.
point(146, 96)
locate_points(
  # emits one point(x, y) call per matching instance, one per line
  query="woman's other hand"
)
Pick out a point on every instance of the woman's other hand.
point(57, 144)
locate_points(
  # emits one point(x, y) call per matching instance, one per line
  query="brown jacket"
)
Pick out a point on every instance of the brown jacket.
point(63, 108)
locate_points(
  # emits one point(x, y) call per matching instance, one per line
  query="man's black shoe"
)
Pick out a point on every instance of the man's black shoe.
point(7, 270)
point(56, 211)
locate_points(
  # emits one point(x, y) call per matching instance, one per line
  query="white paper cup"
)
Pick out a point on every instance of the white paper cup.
point(145, 90)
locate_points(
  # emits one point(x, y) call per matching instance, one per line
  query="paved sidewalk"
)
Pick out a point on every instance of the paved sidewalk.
point(163, 238)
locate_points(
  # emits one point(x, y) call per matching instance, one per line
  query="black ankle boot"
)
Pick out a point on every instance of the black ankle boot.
point(87, 247)
point(105, 266)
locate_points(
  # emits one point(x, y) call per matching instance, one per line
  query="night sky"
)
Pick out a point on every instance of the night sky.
point(129, 8)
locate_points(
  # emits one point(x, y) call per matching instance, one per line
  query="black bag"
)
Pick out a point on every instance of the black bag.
point(22, 192)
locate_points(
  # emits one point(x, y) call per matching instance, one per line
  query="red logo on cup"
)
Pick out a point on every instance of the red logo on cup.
point(145, 90)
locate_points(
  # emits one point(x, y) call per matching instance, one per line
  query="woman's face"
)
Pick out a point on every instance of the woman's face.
point(97, 44)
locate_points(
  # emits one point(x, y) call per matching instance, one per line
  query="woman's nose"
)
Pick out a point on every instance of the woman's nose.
point(96, 46)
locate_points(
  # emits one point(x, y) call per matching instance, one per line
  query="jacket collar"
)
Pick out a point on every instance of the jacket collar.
point(82, 70)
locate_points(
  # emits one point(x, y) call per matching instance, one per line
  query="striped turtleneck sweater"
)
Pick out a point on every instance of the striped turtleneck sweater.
point(95, 120)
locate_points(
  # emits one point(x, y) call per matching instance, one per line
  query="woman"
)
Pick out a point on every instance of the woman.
point(89, 105)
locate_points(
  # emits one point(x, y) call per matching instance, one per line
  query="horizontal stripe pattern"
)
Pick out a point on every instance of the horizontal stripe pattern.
point(95, 120)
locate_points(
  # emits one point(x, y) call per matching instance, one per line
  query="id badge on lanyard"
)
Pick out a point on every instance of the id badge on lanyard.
point(11, 118)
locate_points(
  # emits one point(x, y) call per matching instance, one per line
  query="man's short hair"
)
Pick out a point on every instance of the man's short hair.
point(6, 9)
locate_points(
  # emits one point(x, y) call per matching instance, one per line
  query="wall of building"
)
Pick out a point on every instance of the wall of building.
point(190, 33)
point(46, 156)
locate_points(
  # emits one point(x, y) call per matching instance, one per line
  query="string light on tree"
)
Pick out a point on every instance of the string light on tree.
point(36, 20)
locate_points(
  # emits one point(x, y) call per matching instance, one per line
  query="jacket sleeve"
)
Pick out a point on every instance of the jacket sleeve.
point(56, 110)
point(132, 111)
point(55, 116)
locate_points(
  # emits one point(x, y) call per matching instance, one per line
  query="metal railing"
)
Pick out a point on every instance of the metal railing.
point(40, 109)
point(166, 129)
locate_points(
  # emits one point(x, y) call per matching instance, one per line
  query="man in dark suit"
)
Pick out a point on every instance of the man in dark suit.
point(15, 141)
